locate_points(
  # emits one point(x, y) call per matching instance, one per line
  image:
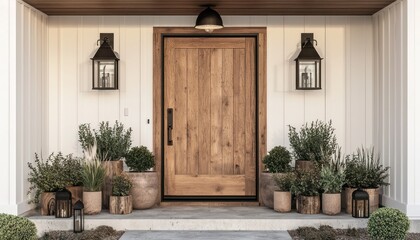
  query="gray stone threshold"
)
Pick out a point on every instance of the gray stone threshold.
point(205, 235)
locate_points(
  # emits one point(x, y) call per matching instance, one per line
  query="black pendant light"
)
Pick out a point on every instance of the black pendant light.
point(209, 20)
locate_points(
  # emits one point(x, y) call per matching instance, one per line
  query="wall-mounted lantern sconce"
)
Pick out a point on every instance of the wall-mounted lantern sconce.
point(209, 20)
point(308, 65)
point(105, 65)
point(360, 204)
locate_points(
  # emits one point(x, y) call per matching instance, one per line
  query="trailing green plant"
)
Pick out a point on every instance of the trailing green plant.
point(284, 181)
point(113, 142)
point(47, 176)
point(364, 170)
point(73, 170)
point(388, 224)
point(121, 185)
point(93, 176)
point(306, 183)
point(16, 228)
point(139, 159)
point(331, 181)
point(314, 141)
point(278, 160)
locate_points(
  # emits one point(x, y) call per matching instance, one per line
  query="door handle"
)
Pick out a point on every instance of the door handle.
point(170, 125)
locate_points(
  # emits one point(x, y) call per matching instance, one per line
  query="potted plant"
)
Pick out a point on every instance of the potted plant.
point(46, 177)
point(331, 181)
point(363, 170)
point(73, 168)
point(120, 202)
point(312, 143)
point(112, 145)
point(283, 195)
point(145, 189)
point(93, 176)
point(306, 187)
point(277, 161)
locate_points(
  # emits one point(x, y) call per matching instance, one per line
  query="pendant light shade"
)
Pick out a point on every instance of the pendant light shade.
point(209, 20)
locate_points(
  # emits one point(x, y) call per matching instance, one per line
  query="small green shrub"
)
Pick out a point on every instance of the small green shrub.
point(306, 183)
point(121, 185)
point(331, 181)
point(16, 228)
point(139, 159)
point(314, 141)
point(73, 170)
point(388, 224)
point(278, 160)
point(284, 181)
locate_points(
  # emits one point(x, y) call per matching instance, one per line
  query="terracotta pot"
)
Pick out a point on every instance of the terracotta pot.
point(76, 193)
point(308, 204)
point(267, 188)
point(145, 189)
point(92, 202)
point(348, 195)
point(304, 165)
point(373, 198)
point(282, 201)
point(47, 201)
point(331, 203)
point(120, 204)
point(112, 168)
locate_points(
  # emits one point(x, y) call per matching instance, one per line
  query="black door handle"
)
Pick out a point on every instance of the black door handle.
point(170, 125)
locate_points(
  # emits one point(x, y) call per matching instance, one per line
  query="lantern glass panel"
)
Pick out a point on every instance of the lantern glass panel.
point(78, 221)
point(104, 74)
point(309, 74)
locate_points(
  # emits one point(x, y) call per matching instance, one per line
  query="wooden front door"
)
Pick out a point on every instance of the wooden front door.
point(209, 114)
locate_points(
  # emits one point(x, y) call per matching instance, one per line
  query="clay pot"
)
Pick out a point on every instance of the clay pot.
point(282, 201)
point(267, 188)
point(145, 189)
point(76, 193)
point(348, 192)
point(331, 203)
point(92, 202)
point(120, 204)
point(308, 204)
point(304, 165)
point(112, 168)
point(373, 198)
point(47, 202)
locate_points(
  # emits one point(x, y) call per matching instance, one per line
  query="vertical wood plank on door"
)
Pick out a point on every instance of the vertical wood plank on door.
point(192, 112)
point(227, 112)
point(204, 88)
point(250, 131)
point(216, 111)
point(180, 112)
point(239, 111)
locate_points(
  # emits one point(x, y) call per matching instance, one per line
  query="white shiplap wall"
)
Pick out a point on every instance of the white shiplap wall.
point(397, 105)
point(346, 43)
point(23, 68)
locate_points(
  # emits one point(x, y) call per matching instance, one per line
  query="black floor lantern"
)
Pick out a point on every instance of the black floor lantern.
point(63, 206)
point(105, 66)
point(360, 204)
point(78, 217)
point(308, 65)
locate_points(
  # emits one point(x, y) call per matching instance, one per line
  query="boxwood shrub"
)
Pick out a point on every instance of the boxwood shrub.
point(388, 223)
point(16, 228)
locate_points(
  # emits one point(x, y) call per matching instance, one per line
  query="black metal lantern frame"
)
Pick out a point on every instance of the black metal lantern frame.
point(105, 65)
point(78, 217)
point(308, 65)
point(360, 204)
point(63, 206)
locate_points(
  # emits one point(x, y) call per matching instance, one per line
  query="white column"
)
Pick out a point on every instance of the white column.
point(413, 108)
point(8, 107)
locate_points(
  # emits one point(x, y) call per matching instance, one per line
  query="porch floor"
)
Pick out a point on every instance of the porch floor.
point(175, 218)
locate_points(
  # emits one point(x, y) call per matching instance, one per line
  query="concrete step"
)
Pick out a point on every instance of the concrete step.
point(205, 235)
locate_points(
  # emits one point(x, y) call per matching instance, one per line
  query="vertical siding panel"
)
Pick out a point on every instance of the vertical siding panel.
point(404, 90)
point(294, 99)
point(335, 75)
point(397, 101)
point(348, 148)
point(276, 127)
point(20, 21)
point(369, 89)
point(146, 68)
point(315, 100)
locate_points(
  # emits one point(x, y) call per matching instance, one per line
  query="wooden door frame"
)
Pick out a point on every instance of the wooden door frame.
point(158, 34)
